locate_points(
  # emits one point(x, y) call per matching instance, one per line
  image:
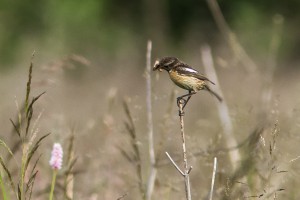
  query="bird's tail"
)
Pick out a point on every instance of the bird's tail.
point(214, 93)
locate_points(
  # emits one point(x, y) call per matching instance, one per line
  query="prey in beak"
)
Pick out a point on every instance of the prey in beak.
point(157, 66)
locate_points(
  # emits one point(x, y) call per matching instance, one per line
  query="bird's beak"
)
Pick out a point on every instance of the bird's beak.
point(157, 66)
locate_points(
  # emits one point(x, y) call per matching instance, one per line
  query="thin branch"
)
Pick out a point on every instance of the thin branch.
point(181, 102)
point(122, 197)
point(294, 159)
point(134, 143)
point(275, 43)
point(186, 168)
point(174, 164)
point(213, 179)
point(153, 170)
point(189, 170)
point(230, 37)
point(149, 103)
point(222, 107)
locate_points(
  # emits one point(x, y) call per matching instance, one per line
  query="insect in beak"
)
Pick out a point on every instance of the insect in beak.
point(157, 67)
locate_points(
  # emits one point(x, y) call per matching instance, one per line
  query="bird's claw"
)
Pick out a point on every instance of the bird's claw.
point(181, 102)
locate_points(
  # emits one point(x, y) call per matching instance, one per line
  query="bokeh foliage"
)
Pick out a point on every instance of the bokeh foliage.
point(73, 26)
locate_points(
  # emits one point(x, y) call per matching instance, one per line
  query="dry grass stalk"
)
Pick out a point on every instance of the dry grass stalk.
point(275, 42)
point(28, 143)
point(239, 52)
point(69, 175)
point(135, 157)
point(213, 179)
point(186, 171)
point(225, 118)
point(153, 169)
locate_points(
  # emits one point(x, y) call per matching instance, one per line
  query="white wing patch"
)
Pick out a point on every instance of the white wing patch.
point(190, 70)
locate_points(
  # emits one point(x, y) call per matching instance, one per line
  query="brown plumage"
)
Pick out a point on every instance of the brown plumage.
point(184, 75)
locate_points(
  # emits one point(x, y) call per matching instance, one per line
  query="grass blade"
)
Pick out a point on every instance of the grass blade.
point(33, 180)
point(15, 127)
point(3, 189)
point(33, 149)
point(30, 111)
point(8, 174)
point(2, 143)
point(19, 193)
point(28, 85)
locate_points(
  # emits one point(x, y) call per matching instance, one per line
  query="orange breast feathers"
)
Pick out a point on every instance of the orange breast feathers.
point(186, 82)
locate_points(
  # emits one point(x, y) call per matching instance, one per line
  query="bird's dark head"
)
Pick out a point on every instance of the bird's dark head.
point(166, 63)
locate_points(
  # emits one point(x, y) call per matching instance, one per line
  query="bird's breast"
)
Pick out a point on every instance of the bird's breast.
point(186, 82)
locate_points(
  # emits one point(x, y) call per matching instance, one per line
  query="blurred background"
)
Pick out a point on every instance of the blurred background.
point(107, 30)
point(90, 56)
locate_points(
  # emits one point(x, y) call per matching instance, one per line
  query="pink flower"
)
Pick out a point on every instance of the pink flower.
point(56, 157)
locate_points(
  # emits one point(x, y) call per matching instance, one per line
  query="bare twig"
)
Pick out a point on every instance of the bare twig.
point(275, 42)
point(222, 107)
point(294, 159)
point(69, 175)
point(230, 37)
point(213, 179)
point(136, 157)
point(153, 170)
point(186, 171)
point(122, 197)
point(186, 168)
point(175, 165)
point(149, 103)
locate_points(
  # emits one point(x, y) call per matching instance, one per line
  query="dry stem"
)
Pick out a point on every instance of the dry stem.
point(153, 170)
point(186, 169)
point(239, 52)
point(185, 173)
point(222, 107)
point(213, 179)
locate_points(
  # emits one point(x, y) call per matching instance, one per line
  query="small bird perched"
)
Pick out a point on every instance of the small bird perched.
point(184, 76)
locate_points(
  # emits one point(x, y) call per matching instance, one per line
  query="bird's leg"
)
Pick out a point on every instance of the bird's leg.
point(181, 100)
point(186, 101)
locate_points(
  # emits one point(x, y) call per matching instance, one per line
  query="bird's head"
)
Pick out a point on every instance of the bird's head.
point(166, 63)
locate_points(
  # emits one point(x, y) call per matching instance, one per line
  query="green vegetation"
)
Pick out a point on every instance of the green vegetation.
point(91, 55)
point(86, 27)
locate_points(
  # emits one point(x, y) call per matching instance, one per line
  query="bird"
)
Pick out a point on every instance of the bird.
point(184, 76)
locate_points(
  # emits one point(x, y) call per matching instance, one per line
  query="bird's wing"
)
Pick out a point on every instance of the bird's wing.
point(189, 71)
